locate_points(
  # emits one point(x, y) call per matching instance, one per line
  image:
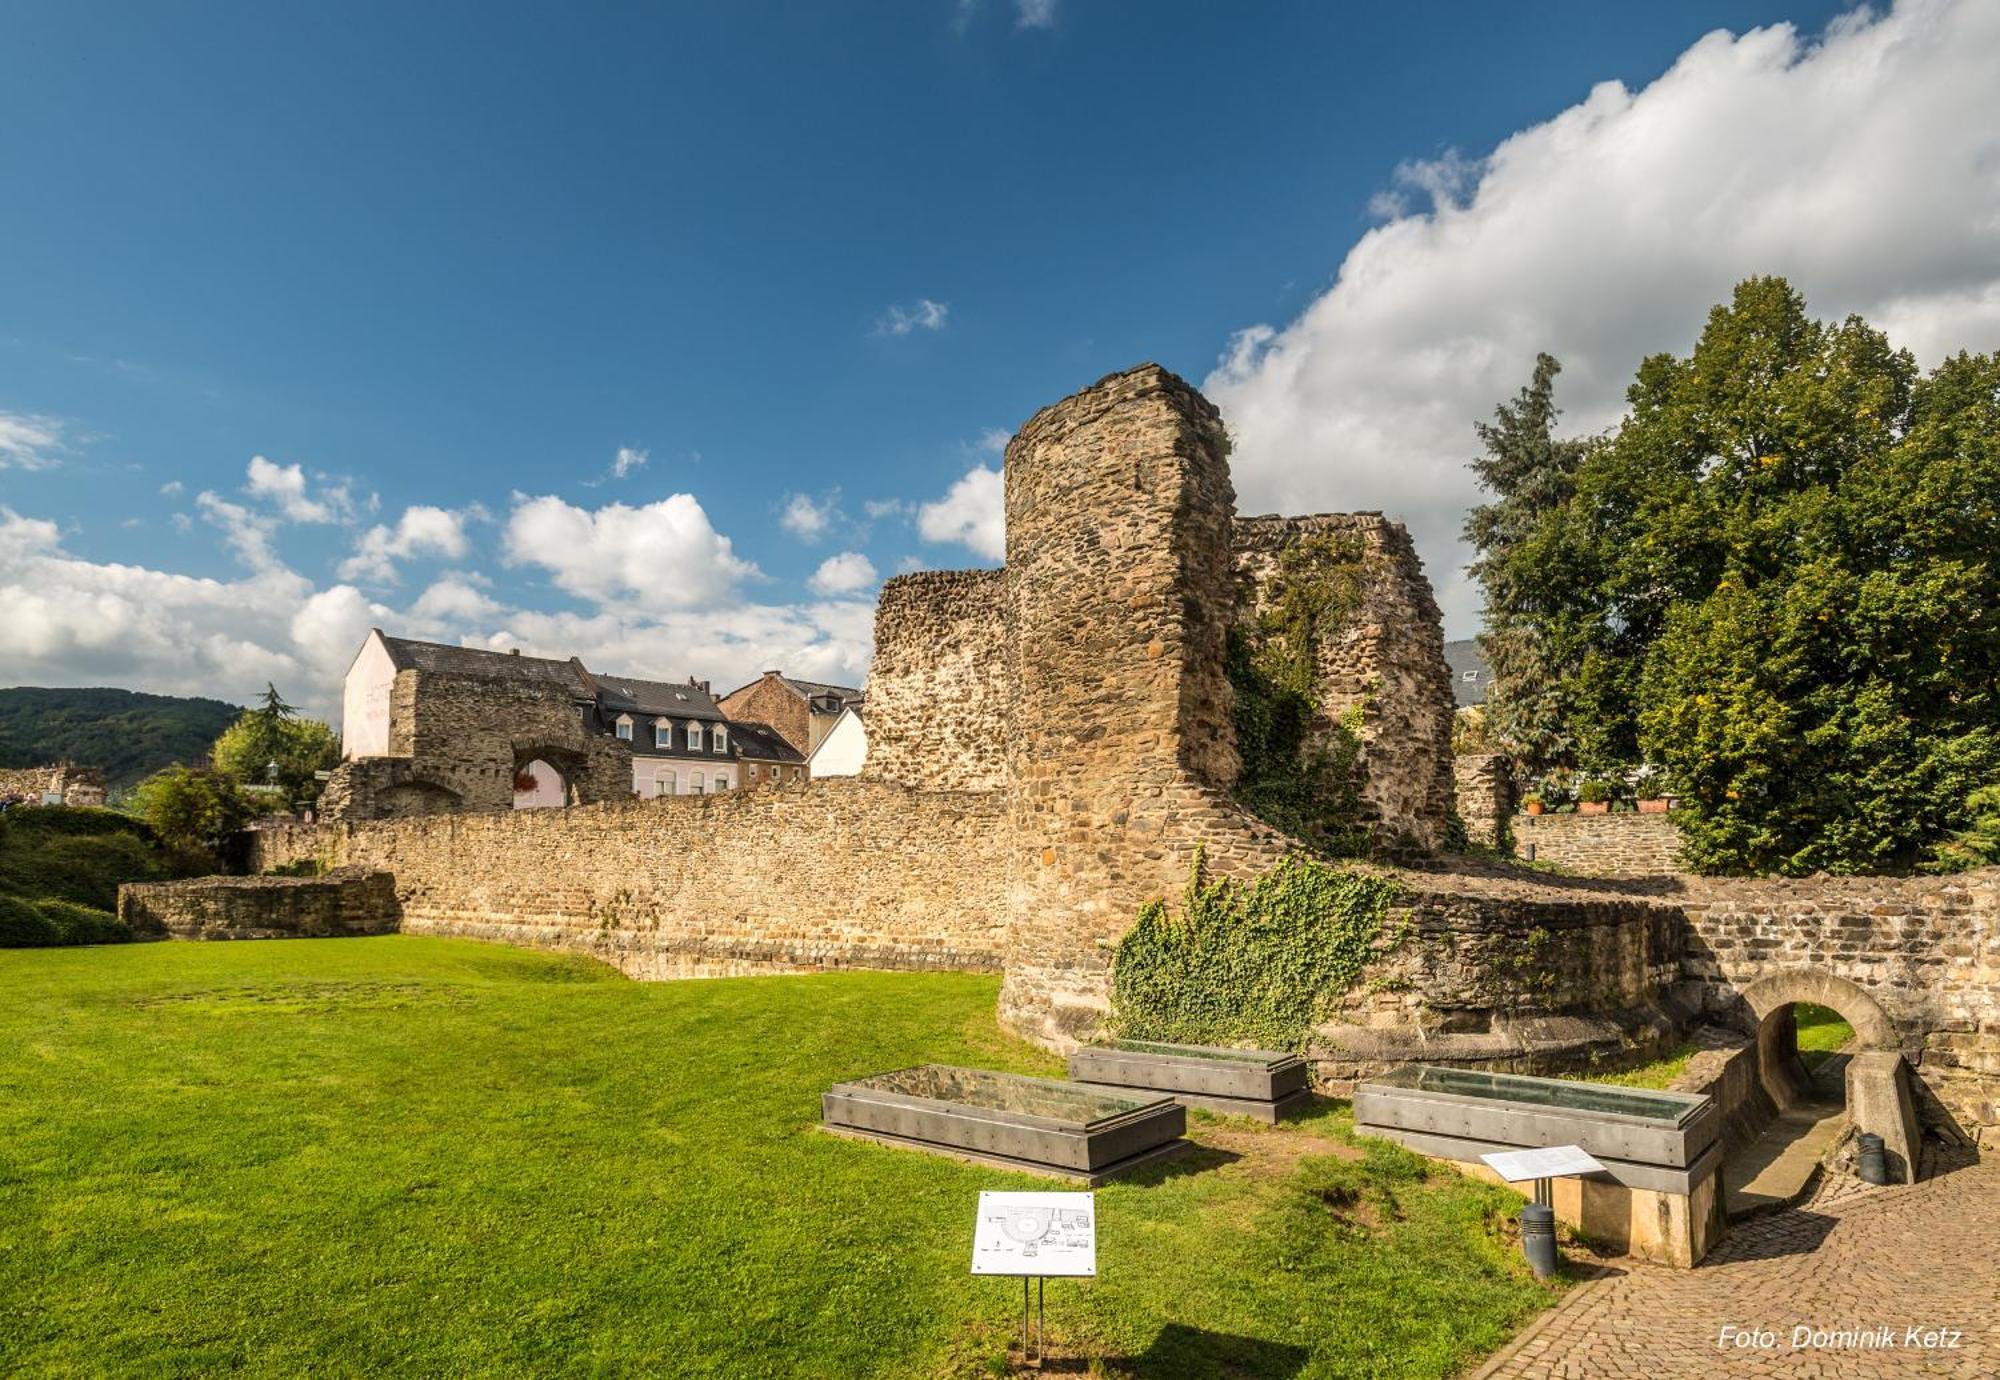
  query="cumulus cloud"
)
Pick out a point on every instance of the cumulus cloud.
point(244, 531)
point(285, 488)
point(809, 518)
point(926, 315)
point(666, 553)
point(626, 461)
point(1034, 14)
point(972, 511)
point(29, 442)
point(1861, 165)
point(423, 530)
point(843, 574)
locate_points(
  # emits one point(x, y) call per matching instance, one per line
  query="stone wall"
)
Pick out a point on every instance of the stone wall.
point(1912, 963)
point(1484, 785)
point(768, 700)
point(345, 901)
point(838, 873)
point(1609, 845)
point(456, 742)
point(938, 690)
point(1388, 662)
point(76, 785)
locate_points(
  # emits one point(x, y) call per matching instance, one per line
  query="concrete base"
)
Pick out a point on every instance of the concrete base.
point(1270, 1111)
point(1082, 1178)
point(1675, 1229)
point(1879, 1100)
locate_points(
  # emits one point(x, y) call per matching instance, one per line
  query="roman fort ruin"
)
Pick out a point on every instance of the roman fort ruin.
point(1052, 745)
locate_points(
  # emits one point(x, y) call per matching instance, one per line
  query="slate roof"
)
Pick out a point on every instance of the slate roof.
point(624, 695)
point(408, 654)
point(761, 743)
point(1464, 660)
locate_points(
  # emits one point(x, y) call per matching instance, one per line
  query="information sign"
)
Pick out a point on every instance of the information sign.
point(1554, 1162)
point(1047, 1234)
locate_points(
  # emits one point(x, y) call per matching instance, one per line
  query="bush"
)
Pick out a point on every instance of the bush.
point(1979, 844)
point(24, 927)
point(75, 924)
point(191, 809)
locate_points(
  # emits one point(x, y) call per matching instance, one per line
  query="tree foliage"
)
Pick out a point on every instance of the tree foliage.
point(274, 733)
point(1779, 580)
point(127, 734)
point(192, 809)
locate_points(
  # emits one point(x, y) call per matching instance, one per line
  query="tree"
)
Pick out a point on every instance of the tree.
point(192, 809)
point(1777, 579)
point(1528, 640)
point(273, 732)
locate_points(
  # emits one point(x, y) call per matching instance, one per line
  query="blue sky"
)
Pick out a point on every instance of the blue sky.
point(806, 260)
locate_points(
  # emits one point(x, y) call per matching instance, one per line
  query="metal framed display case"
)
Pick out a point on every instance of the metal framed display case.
point(1259, 1083)
point(1664, 1141)
point(1037, 1124)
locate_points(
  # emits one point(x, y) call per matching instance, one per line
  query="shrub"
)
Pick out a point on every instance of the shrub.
point(1978, 845)
point(24, 927)
point(1593, 791)
point(192, 809)
point(75, 924)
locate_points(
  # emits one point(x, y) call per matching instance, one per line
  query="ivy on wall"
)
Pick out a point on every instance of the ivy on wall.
point(1300, 772)
point(1257, 964)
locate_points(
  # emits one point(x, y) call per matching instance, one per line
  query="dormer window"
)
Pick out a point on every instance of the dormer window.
point(721, 738)
point(663, 734)
point(624, 728)
point(694, 737)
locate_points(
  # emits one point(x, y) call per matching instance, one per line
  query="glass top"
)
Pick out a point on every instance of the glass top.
point(1243, 1056)
point(1548, 1092)
point(1005, 1092)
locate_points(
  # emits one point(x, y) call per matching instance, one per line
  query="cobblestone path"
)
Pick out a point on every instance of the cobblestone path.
point(1857, 1260)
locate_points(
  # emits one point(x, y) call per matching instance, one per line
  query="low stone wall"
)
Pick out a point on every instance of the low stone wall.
point(1611, 845)
point(1728, 1072)
point(346, 901)
point(839, 873)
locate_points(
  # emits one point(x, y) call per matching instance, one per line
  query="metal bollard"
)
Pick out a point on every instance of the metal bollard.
point(1538, 1238)
point(1872, 1165)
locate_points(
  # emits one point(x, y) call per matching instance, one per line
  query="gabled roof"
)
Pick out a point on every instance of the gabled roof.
point(760, 742)
point(624, 695)
point(408, 654)
point(806, 689)
point(1463, 657)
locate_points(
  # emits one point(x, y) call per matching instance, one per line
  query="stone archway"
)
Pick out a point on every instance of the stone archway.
point(1771, 999)
point(546, 776)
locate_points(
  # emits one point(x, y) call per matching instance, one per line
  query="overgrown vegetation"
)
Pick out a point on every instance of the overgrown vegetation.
point(417, 1156)
point(60, 868)
point(127, 734)
point(1300, 766)
point(193, 809)
point(1976, 845)
point(1258, 964)
point(1777, 580)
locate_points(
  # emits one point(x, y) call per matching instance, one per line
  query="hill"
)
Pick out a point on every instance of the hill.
point(126, 732)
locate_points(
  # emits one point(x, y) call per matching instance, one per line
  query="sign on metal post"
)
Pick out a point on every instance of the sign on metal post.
point(1037, 1236)
point(1552, 1162)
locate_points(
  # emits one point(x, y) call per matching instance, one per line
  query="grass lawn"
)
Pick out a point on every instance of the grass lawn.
point(1822, 1034)
point(431, 1156)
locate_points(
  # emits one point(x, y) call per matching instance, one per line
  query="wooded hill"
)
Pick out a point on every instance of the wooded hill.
point(128, 733)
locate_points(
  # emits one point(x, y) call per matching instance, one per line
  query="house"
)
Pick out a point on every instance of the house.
point(799, 711)
point(766, 758)
point(682, 744)
point(844, 748)
point(1470, 675)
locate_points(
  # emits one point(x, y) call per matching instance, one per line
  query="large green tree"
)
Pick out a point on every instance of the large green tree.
point(274, 733)
point(1778, 579)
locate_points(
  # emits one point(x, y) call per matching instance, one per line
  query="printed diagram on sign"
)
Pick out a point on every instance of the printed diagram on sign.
point(1035, 1234)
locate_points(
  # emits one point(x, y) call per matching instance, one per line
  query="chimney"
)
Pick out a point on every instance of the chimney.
point(513, 651)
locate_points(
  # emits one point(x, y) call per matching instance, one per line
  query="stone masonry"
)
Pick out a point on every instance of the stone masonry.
point(938, 690)
point(76, 785)
point(1484, 782)
point(1624, 844)
point(346, 901)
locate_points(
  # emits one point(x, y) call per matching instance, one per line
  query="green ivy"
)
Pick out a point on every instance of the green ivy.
point(1258, 964)
point(1298, 773)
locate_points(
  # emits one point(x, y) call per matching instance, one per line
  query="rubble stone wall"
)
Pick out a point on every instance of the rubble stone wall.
point(938, 691)
point(768, 700)
point(837, 873)
point(1484, 782)
point(1388, 662)
point(1608, 845)
point(76, 785)
point(345, 901)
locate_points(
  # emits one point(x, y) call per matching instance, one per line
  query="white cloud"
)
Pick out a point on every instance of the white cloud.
point(810, 518)
point(666, 553)
point(29, 442)
point(926, 315)
point(846, 573)
point(1862, 167)
point(285, 487)
point(994, 440)
point(879, 508)
point(245, 532)
point(171, 487)
point(627, 460)
point(423, 530)
point(972, 511)
point(1034, 14)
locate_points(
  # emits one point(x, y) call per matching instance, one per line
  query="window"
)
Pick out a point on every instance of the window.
point(624, 729)
point(722, 781)
point(797, 773)
point(694, 783)
point(694, 737)
point(722, 738)
point(663, 781)
point(663, 734)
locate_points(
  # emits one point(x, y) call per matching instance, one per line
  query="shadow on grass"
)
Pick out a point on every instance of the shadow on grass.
point(1180, 1350)
point(1199, 1160)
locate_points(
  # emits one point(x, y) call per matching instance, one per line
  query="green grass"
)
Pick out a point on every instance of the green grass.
point(424, 1156)
point(1822, 1033)
point(1656, 1074)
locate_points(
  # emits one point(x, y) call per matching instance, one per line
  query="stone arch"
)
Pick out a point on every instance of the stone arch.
point(1771, 999)
point(566, 764)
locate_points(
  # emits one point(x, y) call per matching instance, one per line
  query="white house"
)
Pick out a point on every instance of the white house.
point(844, 748)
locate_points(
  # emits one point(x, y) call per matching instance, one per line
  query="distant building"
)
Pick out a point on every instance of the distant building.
point(682, 743)
point(844, 748)
point(801, 711)
point(766, 758)
point(1470, 675)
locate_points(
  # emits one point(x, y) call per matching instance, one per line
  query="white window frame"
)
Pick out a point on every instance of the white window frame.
point(694, 783)
point(663, 734)
point(623, 728)
point(721, 737)
point(694, 737)
point(721, 781)
point(666, 781)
